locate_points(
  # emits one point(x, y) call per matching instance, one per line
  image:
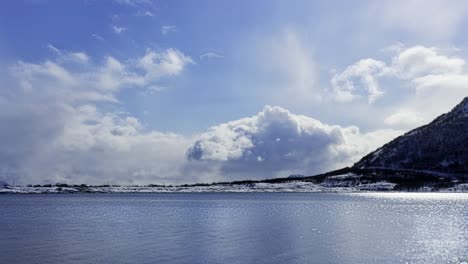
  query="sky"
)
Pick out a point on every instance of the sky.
point(168, 92)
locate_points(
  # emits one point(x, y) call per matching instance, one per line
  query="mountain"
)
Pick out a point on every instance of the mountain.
point(440, 147)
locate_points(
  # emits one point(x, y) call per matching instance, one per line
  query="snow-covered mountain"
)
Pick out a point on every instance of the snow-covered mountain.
point(439, 147)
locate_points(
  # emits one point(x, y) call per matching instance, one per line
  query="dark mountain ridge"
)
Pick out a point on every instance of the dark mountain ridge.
point(438, 147)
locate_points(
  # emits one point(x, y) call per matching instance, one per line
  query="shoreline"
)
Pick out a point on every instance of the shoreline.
point(271, 188)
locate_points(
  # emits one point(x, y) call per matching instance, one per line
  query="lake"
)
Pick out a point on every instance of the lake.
point(234, 228)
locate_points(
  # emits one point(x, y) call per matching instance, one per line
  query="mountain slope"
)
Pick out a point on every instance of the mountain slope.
point(440, 146)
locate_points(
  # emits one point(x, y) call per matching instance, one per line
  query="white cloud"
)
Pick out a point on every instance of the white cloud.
point(133, 2)
point(144, 13)
point(211, 55)
point(442, 81)
point(287, 62)
point(419, 66)
point(393, 48)
point(99, 82)
point(147, 13)
point(421, 84)
point(405, 119)
point(109, 77)
point(118, 29)
point(79, 57)
point(280, 69)
point(96, 147)
point(118, 148)
point(153, 89)
point(275, 142)
point(142, 6)
point(167, 63)
point(99, 79)
point(98, 37)
point(359, 80)
point(298, 64)
point(420, 61)
point(166, 29)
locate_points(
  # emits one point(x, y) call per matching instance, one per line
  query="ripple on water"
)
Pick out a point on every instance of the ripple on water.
point(235, 228)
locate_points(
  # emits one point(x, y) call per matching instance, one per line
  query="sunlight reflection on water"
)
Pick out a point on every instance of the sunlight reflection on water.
point(235, 228)
point(414, 196)
point(437, 221)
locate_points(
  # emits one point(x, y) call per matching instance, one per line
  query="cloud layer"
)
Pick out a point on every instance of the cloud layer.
point(63, 125)
point(58, 128)
point(415, 17)
point(61, 128)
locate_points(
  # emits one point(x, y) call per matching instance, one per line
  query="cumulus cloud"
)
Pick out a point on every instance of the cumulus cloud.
point(419, 61)
point(98, 82)
point(276, 142)
point(359, 80)
point(418, 67)
point(170, 62)
point(421, 83)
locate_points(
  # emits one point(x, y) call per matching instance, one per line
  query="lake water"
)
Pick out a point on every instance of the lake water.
point(234, 228)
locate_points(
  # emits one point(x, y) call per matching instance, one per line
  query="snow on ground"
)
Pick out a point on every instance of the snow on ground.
point(294, 186)
point(258, 187)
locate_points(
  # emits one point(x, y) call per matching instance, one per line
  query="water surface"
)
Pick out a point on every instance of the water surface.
point(234, 228)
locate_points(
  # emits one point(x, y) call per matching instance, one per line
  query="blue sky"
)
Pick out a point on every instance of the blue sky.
point(212, 89)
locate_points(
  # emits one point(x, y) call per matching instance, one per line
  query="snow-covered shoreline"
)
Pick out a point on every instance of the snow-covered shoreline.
point(296, 186)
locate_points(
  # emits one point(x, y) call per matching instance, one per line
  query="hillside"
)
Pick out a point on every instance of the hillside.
point(440, 146)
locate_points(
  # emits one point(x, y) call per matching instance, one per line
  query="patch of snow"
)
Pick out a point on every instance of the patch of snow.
point(375, 155)
point(344, 176)
point(377, 186)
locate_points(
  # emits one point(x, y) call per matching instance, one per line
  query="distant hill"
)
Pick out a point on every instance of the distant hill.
point(438, 147)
